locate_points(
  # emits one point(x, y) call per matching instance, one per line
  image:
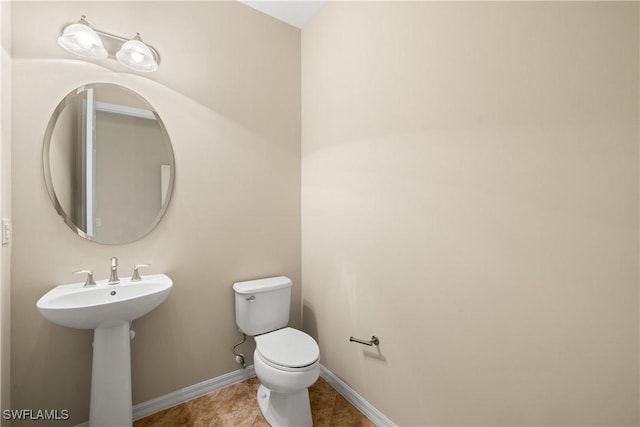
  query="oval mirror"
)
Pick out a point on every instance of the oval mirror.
point(108, 163)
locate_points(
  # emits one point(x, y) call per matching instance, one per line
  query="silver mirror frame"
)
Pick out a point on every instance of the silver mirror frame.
point(47, 166)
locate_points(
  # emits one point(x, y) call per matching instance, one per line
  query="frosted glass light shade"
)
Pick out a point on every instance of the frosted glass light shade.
point(82, 40)
point(137, 56)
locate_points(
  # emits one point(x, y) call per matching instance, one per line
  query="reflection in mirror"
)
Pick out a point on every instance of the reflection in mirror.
point(108, 163)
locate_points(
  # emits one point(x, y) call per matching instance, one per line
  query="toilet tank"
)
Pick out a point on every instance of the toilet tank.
point(262, 305)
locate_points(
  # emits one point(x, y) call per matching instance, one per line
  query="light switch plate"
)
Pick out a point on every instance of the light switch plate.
point(6, 231)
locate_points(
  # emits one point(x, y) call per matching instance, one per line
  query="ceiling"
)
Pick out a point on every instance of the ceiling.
point(296, 13)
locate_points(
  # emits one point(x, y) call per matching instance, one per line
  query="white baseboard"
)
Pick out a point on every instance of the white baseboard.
point(169, 400)
point(355, 399)
point(191, 392)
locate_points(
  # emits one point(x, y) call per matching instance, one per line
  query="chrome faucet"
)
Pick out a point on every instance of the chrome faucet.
point(114, 279)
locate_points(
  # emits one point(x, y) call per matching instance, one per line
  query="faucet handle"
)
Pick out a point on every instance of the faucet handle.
point(136, 274)
point(89, 281)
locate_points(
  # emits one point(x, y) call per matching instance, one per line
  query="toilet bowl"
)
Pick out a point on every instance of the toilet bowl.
point(286, 360)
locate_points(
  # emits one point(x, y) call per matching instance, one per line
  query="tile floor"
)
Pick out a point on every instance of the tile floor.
point(236, 405)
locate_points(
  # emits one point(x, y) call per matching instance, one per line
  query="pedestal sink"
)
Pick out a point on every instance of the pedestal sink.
point(109, 310)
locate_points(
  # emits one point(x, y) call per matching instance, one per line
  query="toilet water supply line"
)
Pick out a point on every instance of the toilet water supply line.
point(239, 356)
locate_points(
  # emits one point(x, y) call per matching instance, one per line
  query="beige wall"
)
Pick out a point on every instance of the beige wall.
point(470, 195)
point(228, 91)
point(5, 204)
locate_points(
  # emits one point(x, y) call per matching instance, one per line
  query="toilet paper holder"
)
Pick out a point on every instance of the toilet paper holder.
point(373, 341)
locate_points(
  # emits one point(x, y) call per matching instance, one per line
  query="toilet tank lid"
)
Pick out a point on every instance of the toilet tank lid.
point(262, 285)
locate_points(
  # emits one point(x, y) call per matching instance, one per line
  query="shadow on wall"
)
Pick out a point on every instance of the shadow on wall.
point(374, 353)
point(309, 321)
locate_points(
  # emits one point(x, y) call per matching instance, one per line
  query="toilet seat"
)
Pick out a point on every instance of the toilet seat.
point(287, 349)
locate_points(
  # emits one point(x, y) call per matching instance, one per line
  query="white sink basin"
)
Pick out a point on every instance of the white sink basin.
point(104, 305)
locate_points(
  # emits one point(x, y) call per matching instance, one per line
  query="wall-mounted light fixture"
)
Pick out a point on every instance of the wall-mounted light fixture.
point(81, 39)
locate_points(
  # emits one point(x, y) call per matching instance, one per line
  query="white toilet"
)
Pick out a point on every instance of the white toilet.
point(287, 361)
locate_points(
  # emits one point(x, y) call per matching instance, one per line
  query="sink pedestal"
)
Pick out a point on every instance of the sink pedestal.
point(111, 377)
